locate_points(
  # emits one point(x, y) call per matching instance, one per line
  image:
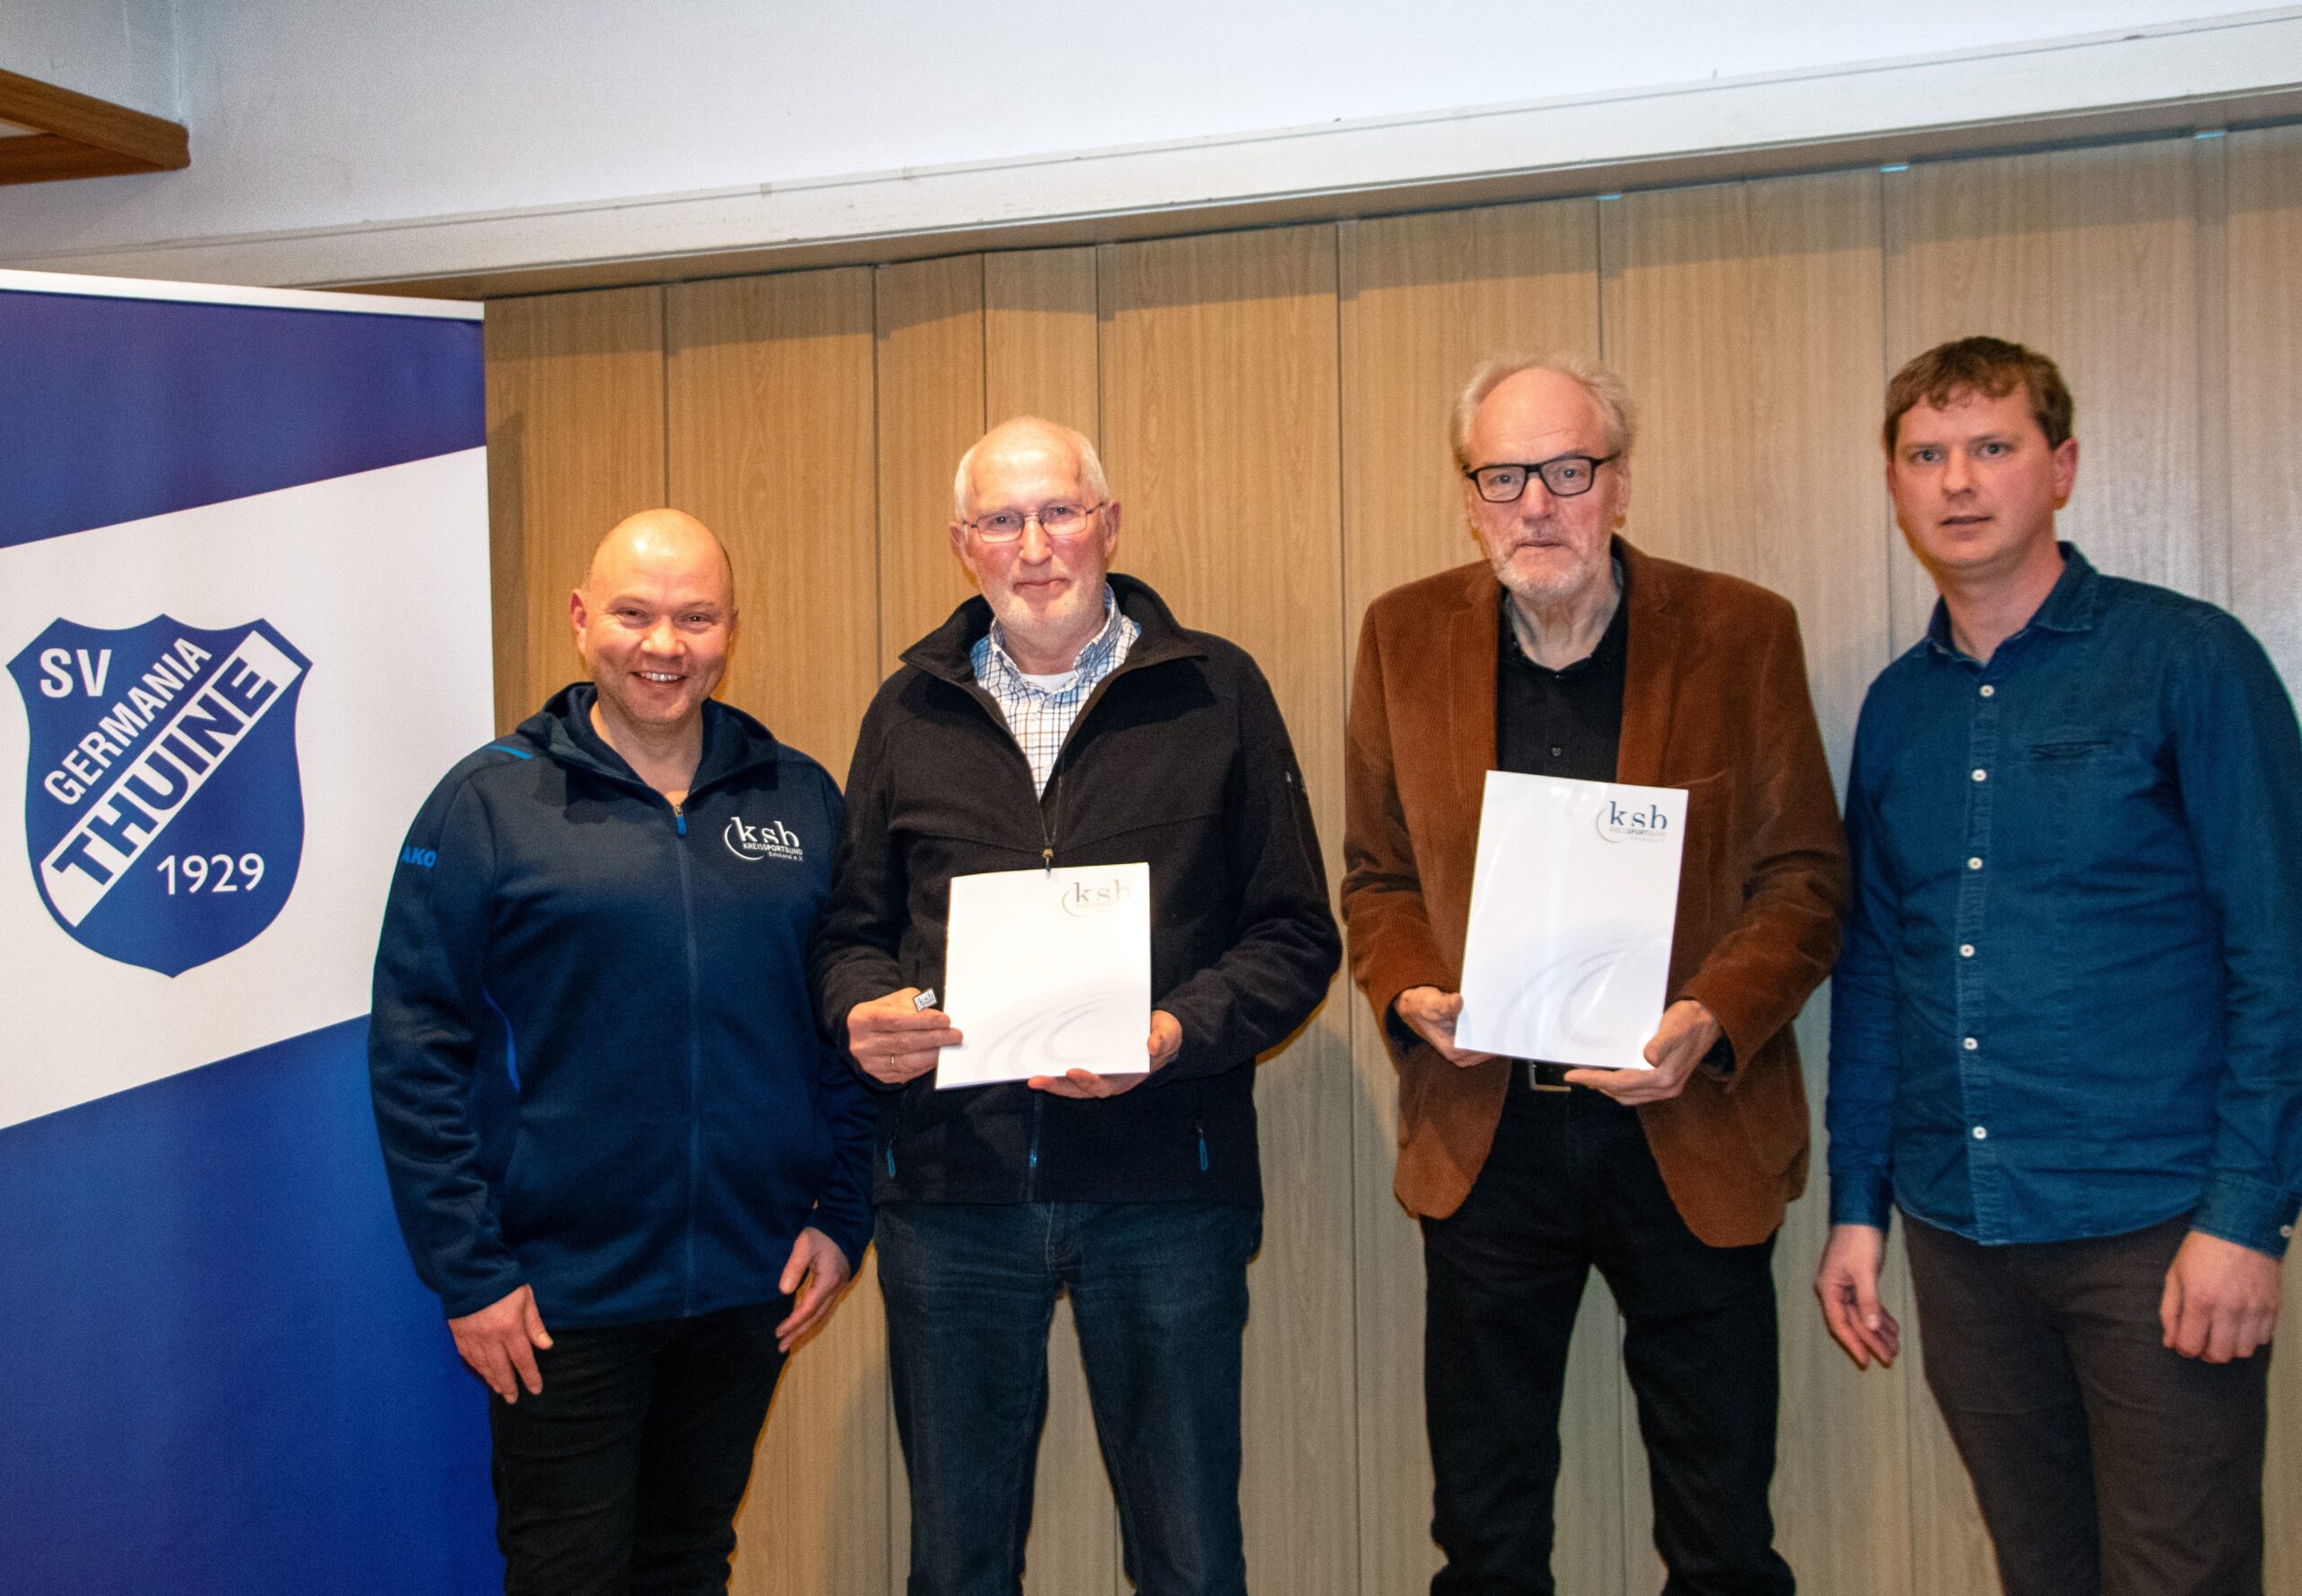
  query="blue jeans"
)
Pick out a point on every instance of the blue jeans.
point(1159, 1294)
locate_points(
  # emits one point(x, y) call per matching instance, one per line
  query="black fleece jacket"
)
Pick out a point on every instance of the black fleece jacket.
point(1180, 760)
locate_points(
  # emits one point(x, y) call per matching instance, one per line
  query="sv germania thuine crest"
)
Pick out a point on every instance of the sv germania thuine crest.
point(164, 811)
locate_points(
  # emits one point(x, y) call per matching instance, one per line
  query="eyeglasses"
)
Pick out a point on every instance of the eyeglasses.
point(1567, 476)
point(1056, 520)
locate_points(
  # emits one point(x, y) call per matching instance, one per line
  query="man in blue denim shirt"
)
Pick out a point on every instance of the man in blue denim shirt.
point(2066, 1027)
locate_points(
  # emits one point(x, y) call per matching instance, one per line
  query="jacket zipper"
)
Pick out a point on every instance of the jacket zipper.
point(694, 1059)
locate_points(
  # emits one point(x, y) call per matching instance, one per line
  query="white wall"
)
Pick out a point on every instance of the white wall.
point(616, 129)
point(123, 50)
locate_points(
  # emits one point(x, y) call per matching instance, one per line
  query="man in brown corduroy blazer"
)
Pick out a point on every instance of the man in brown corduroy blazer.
point(1569, 653)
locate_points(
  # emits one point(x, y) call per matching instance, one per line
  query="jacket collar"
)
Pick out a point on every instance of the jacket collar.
point(733, 742)
point(1650, 675)
point(947, 653)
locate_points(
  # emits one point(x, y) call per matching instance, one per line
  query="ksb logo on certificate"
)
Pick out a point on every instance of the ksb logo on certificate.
point(164, 810)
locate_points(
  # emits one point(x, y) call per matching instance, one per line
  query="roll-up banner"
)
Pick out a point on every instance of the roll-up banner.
point(243, 614)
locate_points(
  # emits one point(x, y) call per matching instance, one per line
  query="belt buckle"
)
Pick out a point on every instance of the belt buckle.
point(1535, 1080)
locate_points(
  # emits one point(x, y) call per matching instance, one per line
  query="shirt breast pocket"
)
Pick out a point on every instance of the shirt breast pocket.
point(2082, 777)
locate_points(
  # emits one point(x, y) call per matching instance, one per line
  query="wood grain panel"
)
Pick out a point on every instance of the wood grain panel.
point(1746, 318)
point(2263, 342)
point(770, 417)
point(575, 445)
point(1219, 410)
point(1425, 298)
point(2092, 257)
point(930, 332)
point(1039, 338)
point(769, 401)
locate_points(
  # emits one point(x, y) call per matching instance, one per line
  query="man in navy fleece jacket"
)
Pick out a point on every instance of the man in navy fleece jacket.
point(620, 1150)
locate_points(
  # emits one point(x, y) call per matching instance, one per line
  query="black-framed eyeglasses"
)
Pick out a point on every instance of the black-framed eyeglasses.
point(1056, 520)
point(1567, 476)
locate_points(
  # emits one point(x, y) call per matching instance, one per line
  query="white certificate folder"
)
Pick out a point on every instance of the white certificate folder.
point(1572, 902)
point(1047, 971)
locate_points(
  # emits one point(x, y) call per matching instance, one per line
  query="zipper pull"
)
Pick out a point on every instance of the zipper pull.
point(679, 816)
point(1046, 857)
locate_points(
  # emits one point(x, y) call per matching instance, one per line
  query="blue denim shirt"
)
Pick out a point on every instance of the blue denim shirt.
point(2070, 1002)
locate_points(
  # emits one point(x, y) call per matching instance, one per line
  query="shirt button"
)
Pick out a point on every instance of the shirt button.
point(1966, 950)
point(1557, 749)
point(1982, 775)
point(1975, 864)
point(1989, 691)
point(1981, 1135)
point(1971, 1044)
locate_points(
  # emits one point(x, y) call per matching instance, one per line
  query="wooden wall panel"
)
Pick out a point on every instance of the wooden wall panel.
point(1424, 299)
point(2092, 257)
point(1040, 355)
point(930, 319)
point(575, 445)
point(769, 388)
point(1746, 318)
point(1219, 423)
point(2263, 340)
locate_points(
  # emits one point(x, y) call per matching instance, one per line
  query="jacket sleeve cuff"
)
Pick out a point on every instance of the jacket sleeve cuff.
point(1867, 1198)
point(494, 1288)
point(2246, 1211)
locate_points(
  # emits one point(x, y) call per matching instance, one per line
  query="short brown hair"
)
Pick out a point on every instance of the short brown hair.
point(1991, 367)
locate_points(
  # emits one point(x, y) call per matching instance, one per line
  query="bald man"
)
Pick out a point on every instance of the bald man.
point(1063, 718)
point(620, 1150)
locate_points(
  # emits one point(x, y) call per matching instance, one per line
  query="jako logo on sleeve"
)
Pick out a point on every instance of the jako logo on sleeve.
point(770, 839)
point(163, 809)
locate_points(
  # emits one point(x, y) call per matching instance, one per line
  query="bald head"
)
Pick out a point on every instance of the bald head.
point(658, 539)
point(1026, 441)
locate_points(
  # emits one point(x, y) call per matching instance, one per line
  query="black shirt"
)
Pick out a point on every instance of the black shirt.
point(1569, 722)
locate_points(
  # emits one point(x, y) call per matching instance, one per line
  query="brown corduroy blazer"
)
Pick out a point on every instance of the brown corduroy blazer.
point(1714, 701)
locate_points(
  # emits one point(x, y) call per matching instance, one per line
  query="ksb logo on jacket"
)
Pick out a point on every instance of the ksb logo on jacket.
point(163, 809)
point(751, 843)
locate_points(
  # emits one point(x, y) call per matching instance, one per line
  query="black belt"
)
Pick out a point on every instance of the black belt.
point(1548, 1077)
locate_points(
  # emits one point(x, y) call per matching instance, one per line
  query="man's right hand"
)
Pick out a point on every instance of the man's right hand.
point(1848, 1284)
point(894, 1042)
point(1431, 1014)
point(500, 1343)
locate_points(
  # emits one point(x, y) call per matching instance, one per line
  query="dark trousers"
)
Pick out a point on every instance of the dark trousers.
point(622, 1477)
point(1159, 1294)
point(2106, 1464)
point(1571, 1185)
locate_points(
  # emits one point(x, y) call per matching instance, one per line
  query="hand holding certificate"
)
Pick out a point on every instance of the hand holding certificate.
point(1572, 903)
point(1046, 972)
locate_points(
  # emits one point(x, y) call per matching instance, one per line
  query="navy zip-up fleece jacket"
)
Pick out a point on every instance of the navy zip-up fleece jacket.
point(595, 1064)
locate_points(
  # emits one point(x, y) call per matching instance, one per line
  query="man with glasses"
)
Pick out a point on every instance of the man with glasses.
point(1569, 653)
point(1065, 717)
point(2066, 1037)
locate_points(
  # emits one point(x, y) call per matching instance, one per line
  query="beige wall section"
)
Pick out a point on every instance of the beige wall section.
point(1271, 407)
point(575, 445)
point(1220, 393)
point(1747, 317)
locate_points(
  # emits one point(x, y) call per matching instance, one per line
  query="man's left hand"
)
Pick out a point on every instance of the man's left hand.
point(817, 1260)
point(1686, 1032)
point(1166, 1035)
point(2221, 1300)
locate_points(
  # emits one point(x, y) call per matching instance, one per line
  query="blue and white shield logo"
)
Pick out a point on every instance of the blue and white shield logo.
point(162, 808)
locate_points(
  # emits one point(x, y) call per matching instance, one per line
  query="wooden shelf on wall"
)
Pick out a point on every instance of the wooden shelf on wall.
point(75, 135)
